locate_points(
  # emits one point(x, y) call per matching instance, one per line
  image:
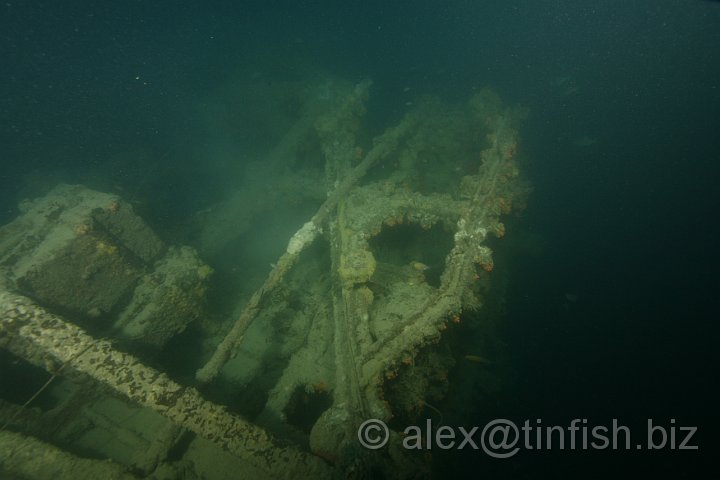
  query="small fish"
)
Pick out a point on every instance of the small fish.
point(478, 359)
point(419, 266)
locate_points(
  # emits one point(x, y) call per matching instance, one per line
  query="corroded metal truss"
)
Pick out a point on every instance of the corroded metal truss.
point(359, 334)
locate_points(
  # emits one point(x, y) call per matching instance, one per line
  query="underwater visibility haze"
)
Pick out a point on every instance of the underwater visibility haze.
point(388, 240)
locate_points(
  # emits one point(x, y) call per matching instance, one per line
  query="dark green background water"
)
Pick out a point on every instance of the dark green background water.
point(629, 223)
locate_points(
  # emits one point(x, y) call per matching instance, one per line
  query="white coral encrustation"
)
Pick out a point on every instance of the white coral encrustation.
point(478, 234)
point(302, 238)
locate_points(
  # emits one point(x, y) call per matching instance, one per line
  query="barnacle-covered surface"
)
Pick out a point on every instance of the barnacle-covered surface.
point(375, 310)
point(32, 333)
point(352, 321)
point(88, 254)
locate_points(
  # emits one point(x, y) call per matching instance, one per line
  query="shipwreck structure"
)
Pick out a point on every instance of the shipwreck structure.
point(345, 327)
